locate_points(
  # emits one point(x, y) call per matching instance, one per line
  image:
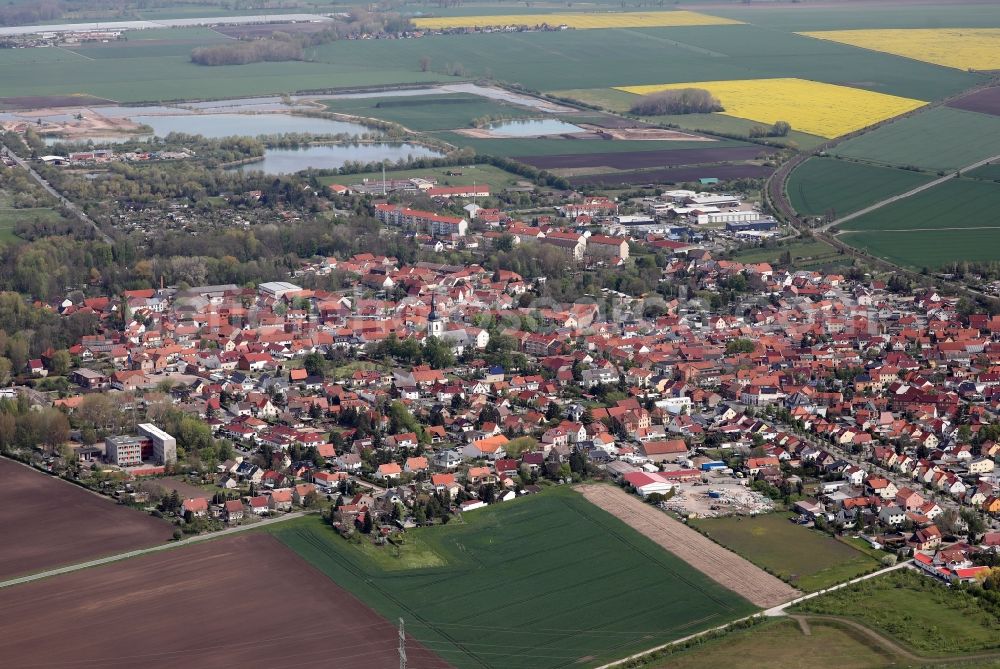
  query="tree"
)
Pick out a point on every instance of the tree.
point(60, 362)
point(677, 101)
point(740, 345)
point(780, 129)
point(314, 364)
point(425, 63)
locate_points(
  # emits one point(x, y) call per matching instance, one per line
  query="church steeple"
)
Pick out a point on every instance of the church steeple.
point(435, 326)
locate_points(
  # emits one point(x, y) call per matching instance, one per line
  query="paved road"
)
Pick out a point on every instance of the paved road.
point(76, 211)
point(772, 612)
point(909, 193)
point(154, 549)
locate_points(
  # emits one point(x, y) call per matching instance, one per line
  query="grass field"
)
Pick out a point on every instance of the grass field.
point(911, 608)
point(578, 20)
point(545, 581)
point(812, 107)
point(808, 559)
point(803, 253)
point(938, 139)
point(961, 48)
point(780, 644)
point(496, 178)
point(430, 112)
point(822, 185)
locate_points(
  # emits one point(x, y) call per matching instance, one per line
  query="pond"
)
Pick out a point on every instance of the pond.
point(549, 126)
point(289, 161)
point(246, 125)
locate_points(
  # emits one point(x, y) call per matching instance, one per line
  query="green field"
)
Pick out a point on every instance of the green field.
point(541, 582)
point(780, 644)
point(990, 172)
point(803, 252)
point(822, 185)
point(573, 59)
point(940, 139)
point(529, 146)
point(921, 613)
point(430, 112)
point(807, 559)
point(958, 203)
point(918, 249)
point(495, 177)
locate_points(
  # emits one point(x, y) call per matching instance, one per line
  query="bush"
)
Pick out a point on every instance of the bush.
point(677, 101)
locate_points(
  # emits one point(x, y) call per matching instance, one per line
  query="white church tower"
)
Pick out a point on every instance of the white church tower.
point(435, 324)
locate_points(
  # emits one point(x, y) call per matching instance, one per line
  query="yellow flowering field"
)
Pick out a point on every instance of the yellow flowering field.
point(579, 21)
point(812, 107)
point(961, 48)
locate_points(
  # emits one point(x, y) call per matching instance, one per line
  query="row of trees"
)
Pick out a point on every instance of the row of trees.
point(677, 101)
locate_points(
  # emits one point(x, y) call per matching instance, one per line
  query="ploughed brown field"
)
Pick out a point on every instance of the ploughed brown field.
point(986, 101)
point(634, 159)
point(49, 523)
point(241, 601)
point(674, 176)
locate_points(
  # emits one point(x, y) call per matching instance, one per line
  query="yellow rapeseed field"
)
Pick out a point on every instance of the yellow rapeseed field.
point(812, 107)
point(580, 21)
point(962, 48)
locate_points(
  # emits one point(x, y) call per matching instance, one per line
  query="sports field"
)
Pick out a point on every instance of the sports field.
point(579, 21)
point(937, 139)
point(808, 559)
point(540, 582)
point(804, 253)
point(827, 185)
point(809, 106)
point(961, 48)
point(430, 112)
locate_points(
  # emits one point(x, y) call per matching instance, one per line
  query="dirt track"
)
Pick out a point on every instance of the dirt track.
point(718, 563)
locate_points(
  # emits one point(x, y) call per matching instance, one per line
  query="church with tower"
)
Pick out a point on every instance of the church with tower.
point(435, 324)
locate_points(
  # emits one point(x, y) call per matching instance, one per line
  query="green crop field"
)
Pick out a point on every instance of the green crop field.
point(430, 112)
point(540, 582)
point(822, 185)
point(939, 139)
point(923, 614)
point(955, 204)
point(495, 177)
point(160, 69)
point(808, 559)
point(989, 172)
point(780, 644)
point(928, 248)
